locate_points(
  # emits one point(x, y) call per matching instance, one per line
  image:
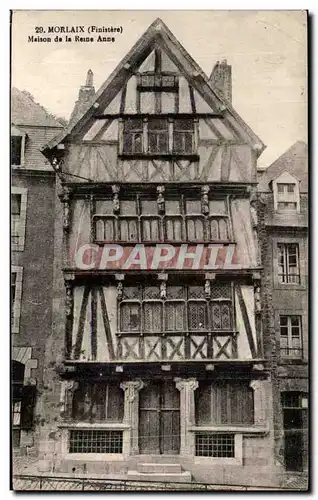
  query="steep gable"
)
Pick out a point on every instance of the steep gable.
point(195, 87)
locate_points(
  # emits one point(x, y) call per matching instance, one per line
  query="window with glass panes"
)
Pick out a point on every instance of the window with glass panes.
point(138, 220)
point(224, 402)
point(16, 150)
point(163, 82)
point(13, 292)
point(290, 336)
point(161, 138)
point(98, 402)
point(15, 217)
point(184, 309)
point(286, 196)
point(288, 263)
point(183, 136)
point(158, 135)
point(133, 136)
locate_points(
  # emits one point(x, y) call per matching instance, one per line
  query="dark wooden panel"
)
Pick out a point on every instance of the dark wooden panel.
point(149, 420)
point(159, 419)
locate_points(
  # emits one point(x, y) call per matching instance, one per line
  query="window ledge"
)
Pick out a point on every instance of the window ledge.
point(292, 361)
point(161, 156)
point(97, 425)
point(289, 286)
point(102, 457)
point(231, 429)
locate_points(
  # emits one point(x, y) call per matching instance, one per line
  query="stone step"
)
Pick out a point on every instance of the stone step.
point(159, 468)
point(183, 477)
point(159, 459)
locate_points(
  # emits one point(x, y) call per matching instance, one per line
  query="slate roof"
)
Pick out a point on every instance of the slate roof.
point(294, 161)
point(24, 111)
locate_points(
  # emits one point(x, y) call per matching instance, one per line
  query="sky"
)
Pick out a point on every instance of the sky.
point(267, 51)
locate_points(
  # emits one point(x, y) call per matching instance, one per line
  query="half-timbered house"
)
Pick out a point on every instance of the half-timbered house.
point(157, 336)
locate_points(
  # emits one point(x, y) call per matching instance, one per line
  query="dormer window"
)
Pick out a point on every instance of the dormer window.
point(286, 193)
point(17, 147)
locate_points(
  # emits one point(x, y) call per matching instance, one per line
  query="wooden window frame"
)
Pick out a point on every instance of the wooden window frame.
point(22, 135)
point(186, 300)
point(289, 337)
point(166, 220)
point(157, 85)
point(171, 151)
point(93, 389)
point(284, 275)
point(16, 305)
point(18, 224)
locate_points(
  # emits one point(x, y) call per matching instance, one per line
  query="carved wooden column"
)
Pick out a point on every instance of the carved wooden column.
point(161, 210)
point(120, 287)
point(131, 411)
point(69, 307)
point(205, 200)
point(65, 198)
point(187, 413)
point(258, 313)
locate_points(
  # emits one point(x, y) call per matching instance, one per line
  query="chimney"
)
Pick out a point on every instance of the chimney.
point(85, 97)
point(221, 79)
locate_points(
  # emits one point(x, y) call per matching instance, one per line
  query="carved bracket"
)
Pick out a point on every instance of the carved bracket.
point(207, 289)
point(116, 206)
point(205, 200)
point(160, 199)
point(119, 278)
point(163, 278)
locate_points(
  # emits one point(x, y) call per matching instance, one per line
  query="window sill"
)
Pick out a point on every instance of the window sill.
point(97, 425)
point(165, 242)
point(17, 248)
point(292, 361)
point(161, 156)
point(102, 457)
point(235, 429)
point(289, 286)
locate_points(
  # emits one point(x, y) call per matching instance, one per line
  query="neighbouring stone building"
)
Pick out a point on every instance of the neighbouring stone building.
point(32, 222)
point(284, 192)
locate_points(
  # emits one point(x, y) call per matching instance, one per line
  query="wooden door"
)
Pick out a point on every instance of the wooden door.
point(159, 419)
